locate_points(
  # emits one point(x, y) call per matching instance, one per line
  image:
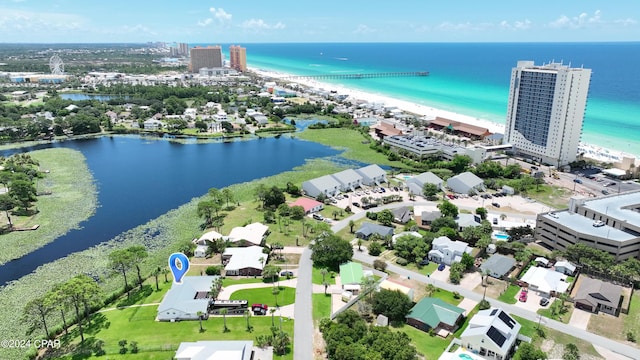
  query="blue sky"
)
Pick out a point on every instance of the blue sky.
point(253, 21)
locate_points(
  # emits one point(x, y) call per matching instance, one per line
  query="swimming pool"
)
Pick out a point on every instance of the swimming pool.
point(501, 236)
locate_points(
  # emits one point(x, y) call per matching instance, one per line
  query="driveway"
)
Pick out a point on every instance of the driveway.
point(580, 319)
point(468, 305)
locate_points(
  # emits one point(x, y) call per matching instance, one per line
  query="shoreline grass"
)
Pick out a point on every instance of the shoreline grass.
point(73, 199)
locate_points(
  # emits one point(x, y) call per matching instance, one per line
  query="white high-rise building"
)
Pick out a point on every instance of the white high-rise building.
point(545, 111)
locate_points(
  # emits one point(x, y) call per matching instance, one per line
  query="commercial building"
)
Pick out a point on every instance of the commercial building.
point(423, 146)
point(205, 57)
point(609, 223)
point(238, 57)
point(545, 110)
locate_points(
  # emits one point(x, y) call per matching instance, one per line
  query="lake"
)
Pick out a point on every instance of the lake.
point(140, 178)
point(79, 97)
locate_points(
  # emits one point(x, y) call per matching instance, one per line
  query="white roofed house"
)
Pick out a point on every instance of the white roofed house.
point(491, 333)
point(217, 350)
point(416, 183)
point(565, 267)
point(244, 261)
point(153, 124)
point(372, 175)
point(326, 185)
point(184, 301)
point(249, 235)
point(445, 251)
point(545, 281)
point(466, 183)
point(349, 179)
point(207, 238)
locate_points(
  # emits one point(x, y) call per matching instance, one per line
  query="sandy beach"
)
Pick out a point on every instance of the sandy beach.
point(591, 151)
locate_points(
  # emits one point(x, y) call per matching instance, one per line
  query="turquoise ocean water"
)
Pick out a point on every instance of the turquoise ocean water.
point(473, 78)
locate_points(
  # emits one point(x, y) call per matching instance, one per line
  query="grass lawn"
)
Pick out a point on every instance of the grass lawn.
point(632, 320)
point(321, 306)
point(565, 317)
point(509, 296)
point(429, 346)
point(265, 295)
point(316, 276)
point(235, 281)
point(447, 297)
point(161, 339)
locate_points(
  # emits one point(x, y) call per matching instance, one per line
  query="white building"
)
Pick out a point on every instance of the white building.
point(546, 109)
point(445, 251)
point(491, 333)
point(187, 300)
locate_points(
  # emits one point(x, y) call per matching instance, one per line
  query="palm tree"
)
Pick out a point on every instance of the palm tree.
point(224, 313)
point(247, 316)
point(430, 289)
point(165, 272)
point(200, 314)
point(326, 285)
point(272, 311)
point(351, 225)
point(323, 272)
point(275, 291)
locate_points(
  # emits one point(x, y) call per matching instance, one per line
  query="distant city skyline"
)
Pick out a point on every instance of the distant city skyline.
point(254, 21)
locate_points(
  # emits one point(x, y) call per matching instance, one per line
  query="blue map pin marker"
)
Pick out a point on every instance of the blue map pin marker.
point(178, 270)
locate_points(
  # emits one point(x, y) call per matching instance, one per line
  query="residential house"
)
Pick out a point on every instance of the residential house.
point(349, 179)
point(249, 235)
point(595, 295)
point(402, 215)
point(207, 238)
point(491, 333)
point(152, 124)
point(498, 266)
point(351, 275)
point(466, 183)
point(433, 313)
point(565, 267)
point(326, 185)
point(367, 229)
point(393, 285)
point(372, 175)
point(416, 183)
point(467, 220)
point(227, 350)
point(395, 237)
point(190, 113)
point(309, 205)
point(541, 261)
point(445, 251)
point(200, 251)
point(427, 217)
point(244, 261)
point(184, 301)
point(545, 281)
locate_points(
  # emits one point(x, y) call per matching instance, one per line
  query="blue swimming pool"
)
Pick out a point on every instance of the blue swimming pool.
point(501, 236)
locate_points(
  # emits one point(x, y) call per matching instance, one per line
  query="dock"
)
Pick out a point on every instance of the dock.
point(357, 76)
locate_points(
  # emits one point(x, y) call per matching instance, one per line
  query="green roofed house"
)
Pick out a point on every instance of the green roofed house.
point(351, 275)
point(433, 313)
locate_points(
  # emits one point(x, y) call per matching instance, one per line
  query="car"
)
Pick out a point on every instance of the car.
point(259, 309)
point(524, 294)
point(334, 201)
point(613, 183)
point(287, 273)
point(395, 188)
point(424, 262)
point(318, 217)
point(495, 204)
point(577, 181)
point(605, 192)
point(544, 302)
point(383, 190)
point(534, 168)
point(495, 221)
point(450, 196)
point(356, 204)
point(440, 267)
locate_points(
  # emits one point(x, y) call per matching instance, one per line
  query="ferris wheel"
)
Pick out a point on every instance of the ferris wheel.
point(56, 65)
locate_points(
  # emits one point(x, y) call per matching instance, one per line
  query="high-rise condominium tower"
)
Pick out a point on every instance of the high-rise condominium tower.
point(545, 111)
point(205, 57)
point(238, 57)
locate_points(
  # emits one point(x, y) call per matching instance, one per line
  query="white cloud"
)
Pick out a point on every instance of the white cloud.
point(260, 24)
point(584, 20)
point(363, 29)
point(516, 25)
point(11, 19)
point(219, 14)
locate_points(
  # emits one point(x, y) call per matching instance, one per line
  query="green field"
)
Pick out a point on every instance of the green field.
point(447, 297)
point(321, 306)
point(429, 346)
point(316, 277)
point(509, 296)
point(73, 199)
point(287, 296)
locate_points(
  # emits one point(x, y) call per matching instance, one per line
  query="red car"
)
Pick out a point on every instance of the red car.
point(259, 309)
point(524, 293)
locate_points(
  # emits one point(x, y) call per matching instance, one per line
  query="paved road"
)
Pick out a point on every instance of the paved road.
point(303, 326)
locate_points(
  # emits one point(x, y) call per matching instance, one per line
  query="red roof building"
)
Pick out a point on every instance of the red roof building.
point(309, 205)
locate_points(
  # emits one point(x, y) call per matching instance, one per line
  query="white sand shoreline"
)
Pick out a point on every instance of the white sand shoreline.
point(595, 152)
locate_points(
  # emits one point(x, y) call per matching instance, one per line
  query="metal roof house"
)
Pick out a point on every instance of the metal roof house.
point(466, 183)
point(244, 261)
point(372, 175)
point(326, 185)
point(214, 350)
point(433, 313)
point(491, 333)
point(367, 229)
point(416, 183)
point(351, 275)
point(249, 235)
point(184, 301)
point(349, 179)
point(498, 266)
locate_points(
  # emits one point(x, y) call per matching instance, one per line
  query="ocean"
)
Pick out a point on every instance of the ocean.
point(473, 78)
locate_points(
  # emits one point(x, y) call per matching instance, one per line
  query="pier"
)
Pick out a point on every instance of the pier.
point(357, 76)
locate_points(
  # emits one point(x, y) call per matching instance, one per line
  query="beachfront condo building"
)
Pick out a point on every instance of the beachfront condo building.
point(545, 111)
point(205, 57)
point(609, 223)
point(238, 58)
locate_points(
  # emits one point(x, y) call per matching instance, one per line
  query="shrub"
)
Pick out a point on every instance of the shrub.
point(456, 295)
point(631, 336)
point(401, 261)
point(213, 270)
point(379, 265)
point(134, 347)
point(123, 346)
point(375, 248)
point(484, 305)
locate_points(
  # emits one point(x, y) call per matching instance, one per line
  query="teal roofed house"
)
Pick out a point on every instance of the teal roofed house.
point(351, 275)
point(433, 313)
